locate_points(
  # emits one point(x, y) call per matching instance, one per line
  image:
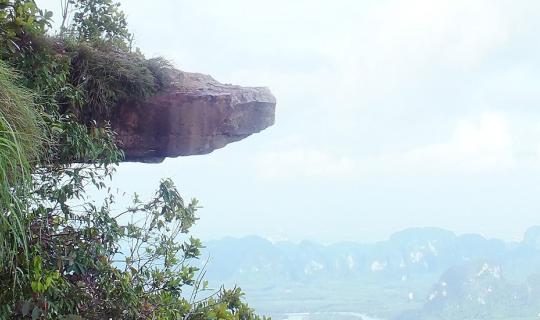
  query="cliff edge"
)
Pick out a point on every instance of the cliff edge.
point(194, 114)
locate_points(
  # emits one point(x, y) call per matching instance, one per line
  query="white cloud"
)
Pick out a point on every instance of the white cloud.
point(303, 163)
point(475, 146)
point(458, 31)
point(399, 44)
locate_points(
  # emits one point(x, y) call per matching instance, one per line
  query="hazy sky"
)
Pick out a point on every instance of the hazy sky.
point(390, 114)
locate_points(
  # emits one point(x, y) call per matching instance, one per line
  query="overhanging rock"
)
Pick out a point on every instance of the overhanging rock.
point(194, 115)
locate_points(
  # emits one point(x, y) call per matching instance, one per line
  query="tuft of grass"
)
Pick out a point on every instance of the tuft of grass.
point(20, 123)
point(161, 69)
point(108, 76)
point(20, 146)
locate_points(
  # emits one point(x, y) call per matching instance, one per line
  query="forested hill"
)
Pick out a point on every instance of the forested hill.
point(431, 270)
point(405, 254)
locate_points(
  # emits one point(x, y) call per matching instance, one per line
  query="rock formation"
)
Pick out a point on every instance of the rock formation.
point(193, 115)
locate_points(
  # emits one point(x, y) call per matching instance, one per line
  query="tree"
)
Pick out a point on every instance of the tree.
point(97, 21)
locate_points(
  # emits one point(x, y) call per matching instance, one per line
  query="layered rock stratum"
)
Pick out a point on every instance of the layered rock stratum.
point(194, 114)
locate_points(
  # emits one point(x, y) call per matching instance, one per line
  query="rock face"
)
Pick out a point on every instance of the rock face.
point(193, 115)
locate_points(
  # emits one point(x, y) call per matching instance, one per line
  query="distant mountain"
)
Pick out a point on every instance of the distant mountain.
point(433, 271)
point(479, 290)
point(406, 253)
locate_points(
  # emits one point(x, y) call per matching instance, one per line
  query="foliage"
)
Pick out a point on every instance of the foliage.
point(20, 22)
point(84, 72)
point(63, 255)
point(19, 132)
point(101, 21)
point(92, 265)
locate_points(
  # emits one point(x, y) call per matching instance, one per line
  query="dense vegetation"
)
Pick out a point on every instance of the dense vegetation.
point(63, 256)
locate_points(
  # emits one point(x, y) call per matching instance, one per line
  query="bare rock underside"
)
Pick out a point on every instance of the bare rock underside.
point(194, 115)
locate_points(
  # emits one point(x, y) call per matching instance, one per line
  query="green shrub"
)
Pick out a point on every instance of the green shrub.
point(100, 21)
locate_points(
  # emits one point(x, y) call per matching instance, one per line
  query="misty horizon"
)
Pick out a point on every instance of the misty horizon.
point(277, 239)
